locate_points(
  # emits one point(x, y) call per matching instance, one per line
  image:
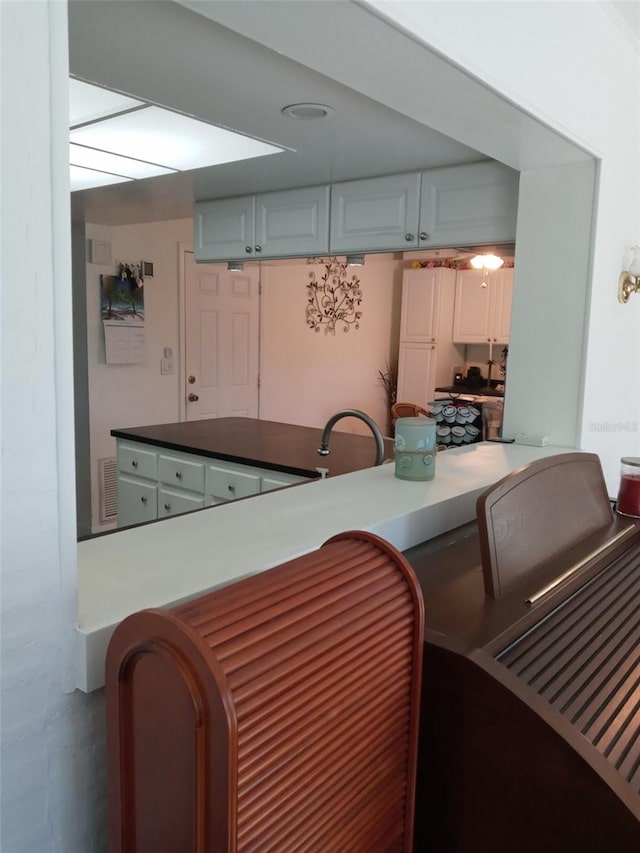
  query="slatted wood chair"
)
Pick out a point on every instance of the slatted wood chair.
point(407, 410)
point(274, 715)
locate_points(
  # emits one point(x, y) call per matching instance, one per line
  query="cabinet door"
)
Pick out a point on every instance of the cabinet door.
point(474, 203)
point(295, 222)
point(172, 502)
point(419, 317)
point(502, 306)
point(472, 317)
point(376, 214)
point(416, 371)
point(137, 501)
point(225, 229)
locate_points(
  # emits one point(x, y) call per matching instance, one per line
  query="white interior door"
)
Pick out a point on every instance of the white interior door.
point(221, 340)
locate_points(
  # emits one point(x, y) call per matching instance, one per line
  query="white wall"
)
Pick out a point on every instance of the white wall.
point(572, 66)
point(130, 395)
point(53, 782)
point(307, 376)
point(564, 61)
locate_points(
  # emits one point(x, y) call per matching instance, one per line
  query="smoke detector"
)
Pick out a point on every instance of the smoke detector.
point(307, 112)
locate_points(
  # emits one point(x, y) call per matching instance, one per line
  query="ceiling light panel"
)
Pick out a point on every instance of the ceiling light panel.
point(172, 139)
point(91, 158)
point(87, 179)
point(89, 103)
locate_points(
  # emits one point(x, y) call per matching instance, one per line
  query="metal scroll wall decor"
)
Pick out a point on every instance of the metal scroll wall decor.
point(333, 299)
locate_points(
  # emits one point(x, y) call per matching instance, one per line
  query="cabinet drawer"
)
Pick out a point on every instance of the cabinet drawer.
point(181, 473)
point(137, 502)
point(142, 463)
point(172, 503)
point(277, 481)
point(228, 485)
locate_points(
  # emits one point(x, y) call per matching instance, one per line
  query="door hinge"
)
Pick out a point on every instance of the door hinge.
point(258, 380)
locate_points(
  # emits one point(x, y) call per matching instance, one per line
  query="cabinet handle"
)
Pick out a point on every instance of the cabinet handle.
point(144, 499)
point(424, 235)
point(179, 475)
point(409, 238)
point(167, 507)
point(258, 248)
point(489, 339)
point(231, 487)
point(134, 463)
point(495, 340)
point(247, 249)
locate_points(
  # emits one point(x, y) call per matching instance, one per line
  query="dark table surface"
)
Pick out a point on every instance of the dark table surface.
point(482, 391)
point(266, 444)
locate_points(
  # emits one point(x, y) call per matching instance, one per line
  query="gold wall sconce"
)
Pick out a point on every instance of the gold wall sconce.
point(629, 281)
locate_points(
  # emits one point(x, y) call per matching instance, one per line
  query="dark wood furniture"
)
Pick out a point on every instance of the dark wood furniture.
point(279, 713)
point(530, 720)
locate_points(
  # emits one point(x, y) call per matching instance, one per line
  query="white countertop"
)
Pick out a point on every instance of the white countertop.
point(158, 565)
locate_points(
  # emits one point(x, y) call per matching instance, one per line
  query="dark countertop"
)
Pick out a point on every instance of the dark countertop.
point(481, 391)
point(266, 444)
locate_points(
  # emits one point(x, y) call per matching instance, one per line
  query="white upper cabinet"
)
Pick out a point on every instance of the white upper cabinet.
point(292, 222)
point(420, 305)
point(475, 203)
point(375, 214)
point(482, 315)
point(224, 229)
point(502, 305)
point(271, 225)
point(469, 204)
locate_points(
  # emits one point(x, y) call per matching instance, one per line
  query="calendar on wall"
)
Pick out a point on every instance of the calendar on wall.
point(122, 305)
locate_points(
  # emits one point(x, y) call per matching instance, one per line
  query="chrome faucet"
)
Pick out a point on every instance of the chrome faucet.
point(323, 450)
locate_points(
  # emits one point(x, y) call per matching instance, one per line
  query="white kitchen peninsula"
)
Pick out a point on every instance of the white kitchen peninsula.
point(158, 565)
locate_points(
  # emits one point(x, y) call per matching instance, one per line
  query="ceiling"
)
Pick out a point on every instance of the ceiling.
point(166, 54)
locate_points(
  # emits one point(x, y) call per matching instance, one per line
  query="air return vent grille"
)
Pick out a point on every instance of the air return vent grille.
point(108, 490)
point(584, 658)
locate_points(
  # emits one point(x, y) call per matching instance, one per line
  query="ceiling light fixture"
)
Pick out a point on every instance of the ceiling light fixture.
point(307, 112)
point(355, 260)
point(115, 136)
point(81, 178)
point(486, 262)
point(116, 164)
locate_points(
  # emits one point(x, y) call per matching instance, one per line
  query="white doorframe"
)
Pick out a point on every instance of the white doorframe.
point(183, 248)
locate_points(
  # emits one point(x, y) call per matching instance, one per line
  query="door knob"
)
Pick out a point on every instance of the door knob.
point(192, 398)
point(191, 379)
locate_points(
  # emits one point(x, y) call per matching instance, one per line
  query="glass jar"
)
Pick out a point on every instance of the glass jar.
point(629, 493)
